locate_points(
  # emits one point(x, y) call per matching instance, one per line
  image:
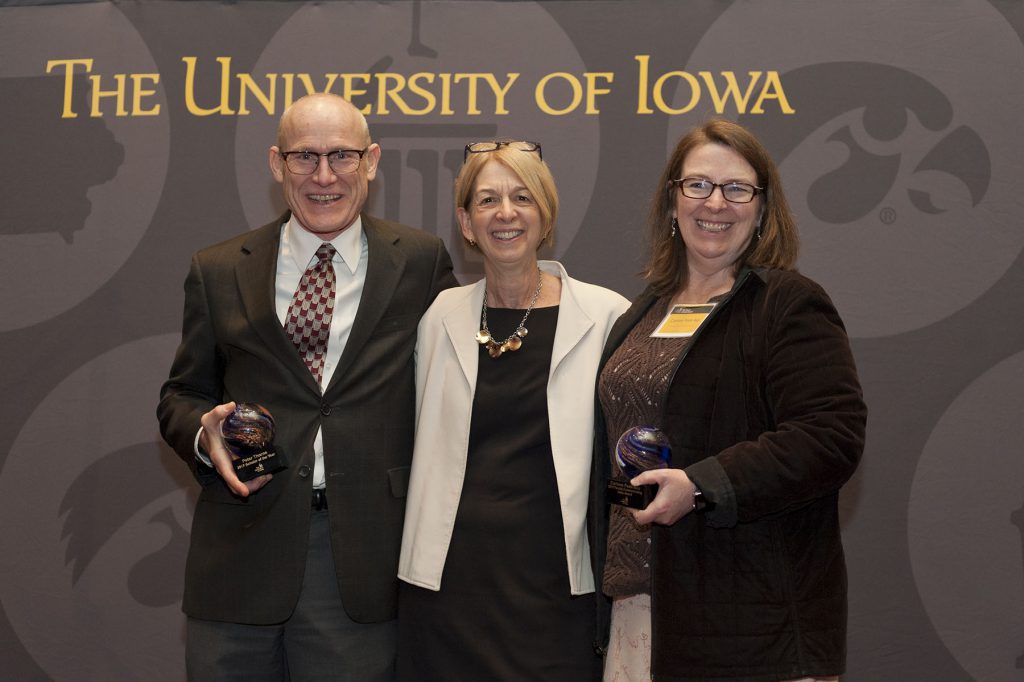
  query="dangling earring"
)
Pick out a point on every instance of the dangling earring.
point(675, 226)
point(757, 232)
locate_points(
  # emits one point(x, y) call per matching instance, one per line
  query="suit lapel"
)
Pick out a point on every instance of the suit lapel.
point(573, 323)
point(461, 324)
point(384, 269)
point(256, 273)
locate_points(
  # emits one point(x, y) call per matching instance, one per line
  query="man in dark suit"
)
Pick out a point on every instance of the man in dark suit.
point(294, 574)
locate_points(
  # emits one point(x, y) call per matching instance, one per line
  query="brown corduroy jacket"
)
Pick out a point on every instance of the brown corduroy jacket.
point(766, 416)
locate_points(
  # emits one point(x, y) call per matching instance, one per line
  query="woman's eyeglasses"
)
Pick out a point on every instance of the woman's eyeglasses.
point(702, 188)
point(494, 145)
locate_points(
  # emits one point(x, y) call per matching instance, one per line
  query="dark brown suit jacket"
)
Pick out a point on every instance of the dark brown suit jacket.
point(247, 556)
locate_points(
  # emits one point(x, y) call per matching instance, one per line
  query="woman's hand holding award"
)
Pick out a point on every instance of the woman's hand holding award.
point(639, 449)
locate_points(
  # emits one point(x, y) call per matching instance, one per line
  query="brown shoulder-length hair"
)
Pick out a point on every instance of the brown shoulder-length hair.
point(778, 245)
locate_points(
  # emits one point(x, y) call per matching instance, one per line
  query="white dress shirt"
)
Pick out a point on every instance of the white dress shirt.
point(296, 253)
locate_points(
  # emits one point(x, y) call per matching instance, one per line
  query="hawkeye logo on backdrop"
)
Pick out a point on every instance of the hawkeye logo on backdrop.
point(79, 194)
point(896, 162)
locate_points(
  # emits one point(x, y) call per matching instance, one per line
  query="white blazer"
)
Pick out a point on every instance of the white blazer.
point(446, 370)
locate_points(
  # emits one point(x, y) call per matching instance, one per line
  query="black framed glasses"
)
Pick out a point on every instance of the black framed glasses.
point(341, 161)
point(494, 145)
point(702, 188)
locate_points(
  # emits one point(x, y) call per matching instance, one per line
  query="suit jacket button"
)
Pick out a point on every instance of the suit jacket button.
point(304, 471)
point(325, 409)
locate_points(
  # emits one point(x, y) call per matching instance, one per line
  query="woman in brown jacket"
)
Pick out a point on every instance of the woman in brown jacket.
point(735, 570)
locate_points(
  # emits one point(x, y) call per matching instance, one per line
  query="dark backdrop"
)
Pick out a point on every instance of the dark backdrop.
point(896, 126)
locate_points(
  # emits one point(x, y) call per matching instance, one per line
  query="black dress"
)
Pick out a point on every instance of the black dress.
point(504, 611)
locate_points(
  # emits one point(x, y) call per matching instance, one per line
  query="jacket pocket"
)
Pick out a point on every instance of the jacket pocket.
point(217, 492)
point(399, 480)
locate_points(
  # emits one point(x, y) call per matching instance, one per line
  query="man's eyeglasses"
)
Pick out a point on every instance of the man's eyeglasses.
point(494, 145)
point(341, 161)
point(702, 188)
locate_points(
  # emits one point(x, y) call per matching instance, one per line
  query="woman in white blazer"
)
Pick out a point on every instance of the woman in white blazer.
point(495, 557)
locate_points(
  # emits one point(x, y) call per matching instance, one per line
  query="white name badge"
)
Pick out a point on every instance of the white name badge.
point(682, 321)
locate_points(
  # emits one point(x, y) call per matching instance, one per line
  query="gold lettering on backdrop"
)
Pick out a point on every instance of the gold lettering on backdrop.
point(578, 91)
point(472, 108)
point(724, 88)
point(641, 95)
point(139, 92)
point(446, 94)
point(732, 89)
point(593, 91)
point(348, 89)
point(287, 80)
point(247, 84)
point(574, 87)
point(500, 92)
point(392, 92)
point(119, 93)
point(223, 108)
point(659, 98)
point(429, 100)
point(69, 80)
point(225, 92)
point(773, 90)
point(380, 94)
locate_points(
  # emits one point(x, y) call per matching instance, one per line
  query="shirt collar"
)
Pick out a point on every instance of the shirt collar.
point(304, 244)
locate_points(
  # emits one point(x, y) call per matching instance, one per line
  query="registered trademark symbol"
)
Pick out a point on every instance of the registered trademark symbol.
point(887, 215)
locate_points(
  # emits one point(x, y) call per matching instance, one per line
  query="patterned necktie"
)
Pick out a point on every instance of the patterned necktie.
point(309, 316)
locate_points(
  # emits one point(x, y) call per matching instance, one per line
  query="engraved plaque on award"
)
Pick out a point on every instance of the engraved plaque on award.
point(248, 434)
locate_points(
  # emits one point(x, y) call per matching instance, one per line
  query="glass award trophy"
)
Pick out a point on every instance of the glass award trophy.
point(248, 434)
point(639, 449)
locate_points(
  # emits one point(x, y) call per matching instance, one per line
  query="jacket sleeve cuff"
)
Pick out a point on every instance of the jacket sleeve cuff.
point(203, 469)
point(201, 456)
point(709, 476)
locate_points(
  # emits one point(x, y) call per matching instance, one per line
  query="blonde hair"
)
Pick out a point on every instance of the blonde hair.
point(528, 167)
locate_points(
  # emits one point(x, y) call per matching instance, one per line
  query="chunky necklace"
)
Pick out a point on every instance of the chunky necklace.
point(515, 339)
